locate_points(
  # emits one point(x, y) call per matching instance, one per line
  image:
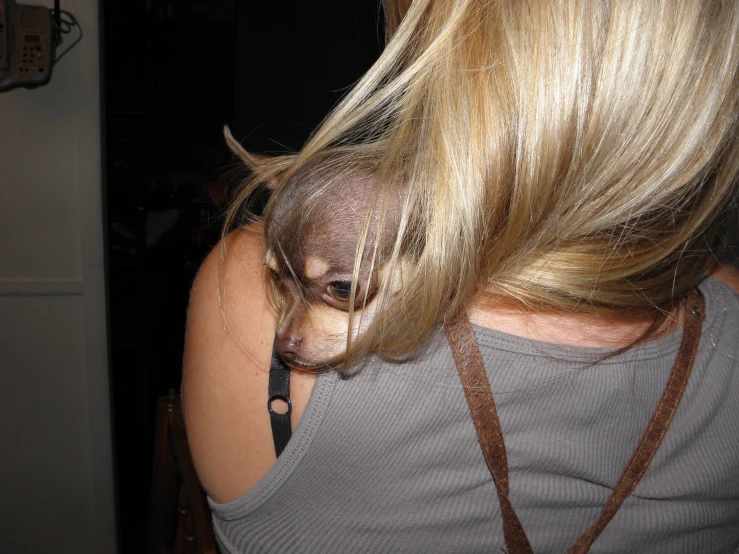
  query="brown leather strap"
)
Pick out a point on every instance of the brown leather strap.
point(655, 432)
point(485, 417)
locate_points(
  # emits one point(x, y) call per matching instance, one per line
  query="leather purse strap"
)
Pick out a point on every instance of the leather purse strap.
point(485, 417)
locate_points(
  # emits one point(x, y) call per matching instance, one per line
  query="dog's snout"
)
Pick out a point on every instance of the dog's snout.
point(288, 345)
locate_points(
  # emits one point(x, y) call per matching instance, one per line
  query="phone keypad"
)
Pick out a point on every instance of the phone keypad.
point(32, 59)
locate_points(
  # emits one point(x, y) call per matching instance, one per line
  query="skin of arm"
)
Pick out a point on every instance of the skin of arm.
point(228, 345)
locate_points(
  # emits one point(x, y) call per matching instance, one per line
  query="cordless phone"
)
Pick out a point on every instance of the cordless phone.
point(27, 45)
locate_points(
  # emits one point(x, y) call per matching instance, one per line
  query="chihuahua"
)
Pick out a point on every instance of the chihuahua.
point(311, 257)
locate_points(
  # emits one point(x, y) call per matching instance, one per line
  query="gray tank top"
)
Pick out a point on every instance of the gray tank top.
point(386, 459)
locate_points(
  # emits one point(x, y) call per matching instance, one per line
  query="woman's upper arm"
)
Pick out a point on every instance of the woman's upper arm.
point(228, 345)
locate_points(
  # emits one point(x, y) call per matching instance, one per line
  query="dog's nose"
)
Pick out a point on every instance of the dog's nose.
point(288, 345)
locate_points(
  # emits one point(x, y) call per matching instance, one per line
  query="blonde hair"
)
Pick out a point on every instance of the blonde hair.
point(567, 156)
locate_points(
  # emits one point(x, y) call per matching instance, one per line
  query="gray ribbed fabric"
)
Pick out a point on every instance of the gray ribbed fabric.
point(387, 460)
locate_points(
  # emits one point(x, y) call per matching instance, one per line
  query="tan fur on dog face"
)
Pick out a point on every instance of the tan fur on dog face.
point(312, 332)
point(323, 332)
point(315, 267)
point(271, 262)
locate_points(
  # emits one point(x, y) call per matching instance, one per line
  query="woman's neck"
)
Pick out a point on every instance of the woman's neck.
point(568, 329)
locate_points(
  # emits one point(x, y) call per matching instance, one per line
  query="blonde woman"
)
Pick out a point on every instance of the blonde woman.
point(564, 169)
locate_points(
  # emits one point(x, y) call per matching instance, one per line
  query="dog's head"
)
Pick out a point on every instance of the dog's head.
point(314, 224)
point(316, 304)
point(311, 256)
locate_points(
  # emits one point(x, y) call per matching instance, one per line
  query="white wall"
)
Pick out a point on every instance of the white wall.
point(56, 476)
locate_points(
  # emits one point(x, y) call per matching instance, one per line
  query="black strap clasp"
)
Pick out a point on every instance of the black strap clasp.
point(279, 389)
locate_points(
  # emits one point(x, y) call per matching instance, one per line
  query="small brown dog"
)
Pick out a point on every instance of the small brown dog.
point(311, 257)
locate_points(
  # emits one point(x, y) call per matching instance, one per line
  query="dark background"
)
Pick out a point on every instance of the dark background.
point(174, 73)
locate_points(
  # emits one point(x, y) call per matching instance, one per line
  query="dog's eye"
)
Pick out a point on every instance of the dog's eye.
point(341, 290)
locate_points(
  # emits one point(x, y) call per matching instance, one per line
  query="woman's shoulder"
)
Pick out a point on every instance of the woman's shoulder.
point(727, 274)
point(228, 345)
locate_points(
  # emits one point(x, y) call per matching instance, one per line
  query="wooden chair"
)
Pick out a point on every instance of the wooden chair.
point(180, 516)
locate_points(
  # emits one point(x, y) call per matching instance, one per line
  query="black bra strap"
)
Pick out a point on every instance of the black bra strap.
point(279, 389)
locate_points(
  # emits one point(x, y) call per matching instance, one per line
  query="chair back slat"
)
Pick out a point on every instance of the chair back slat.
point(181, 521)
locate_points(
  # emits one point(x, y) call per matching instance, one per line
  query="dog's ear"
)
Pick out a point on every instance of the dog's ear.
point(268, 167)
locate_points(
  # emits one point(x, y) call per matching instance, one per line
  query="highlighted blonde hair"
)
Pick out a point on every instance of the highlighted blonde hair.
point(567, 156)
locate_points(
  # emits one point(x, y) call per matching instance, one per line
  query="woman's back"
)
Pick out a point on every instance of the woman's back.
point(387, 460)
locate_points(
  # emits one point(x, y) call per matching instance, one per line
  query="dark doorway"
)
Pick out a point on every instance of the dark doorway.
point(174, 74)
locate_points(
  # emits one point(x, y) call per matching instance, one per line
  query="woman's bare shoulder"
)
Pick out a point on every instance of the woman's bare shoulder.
point(228, 345)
